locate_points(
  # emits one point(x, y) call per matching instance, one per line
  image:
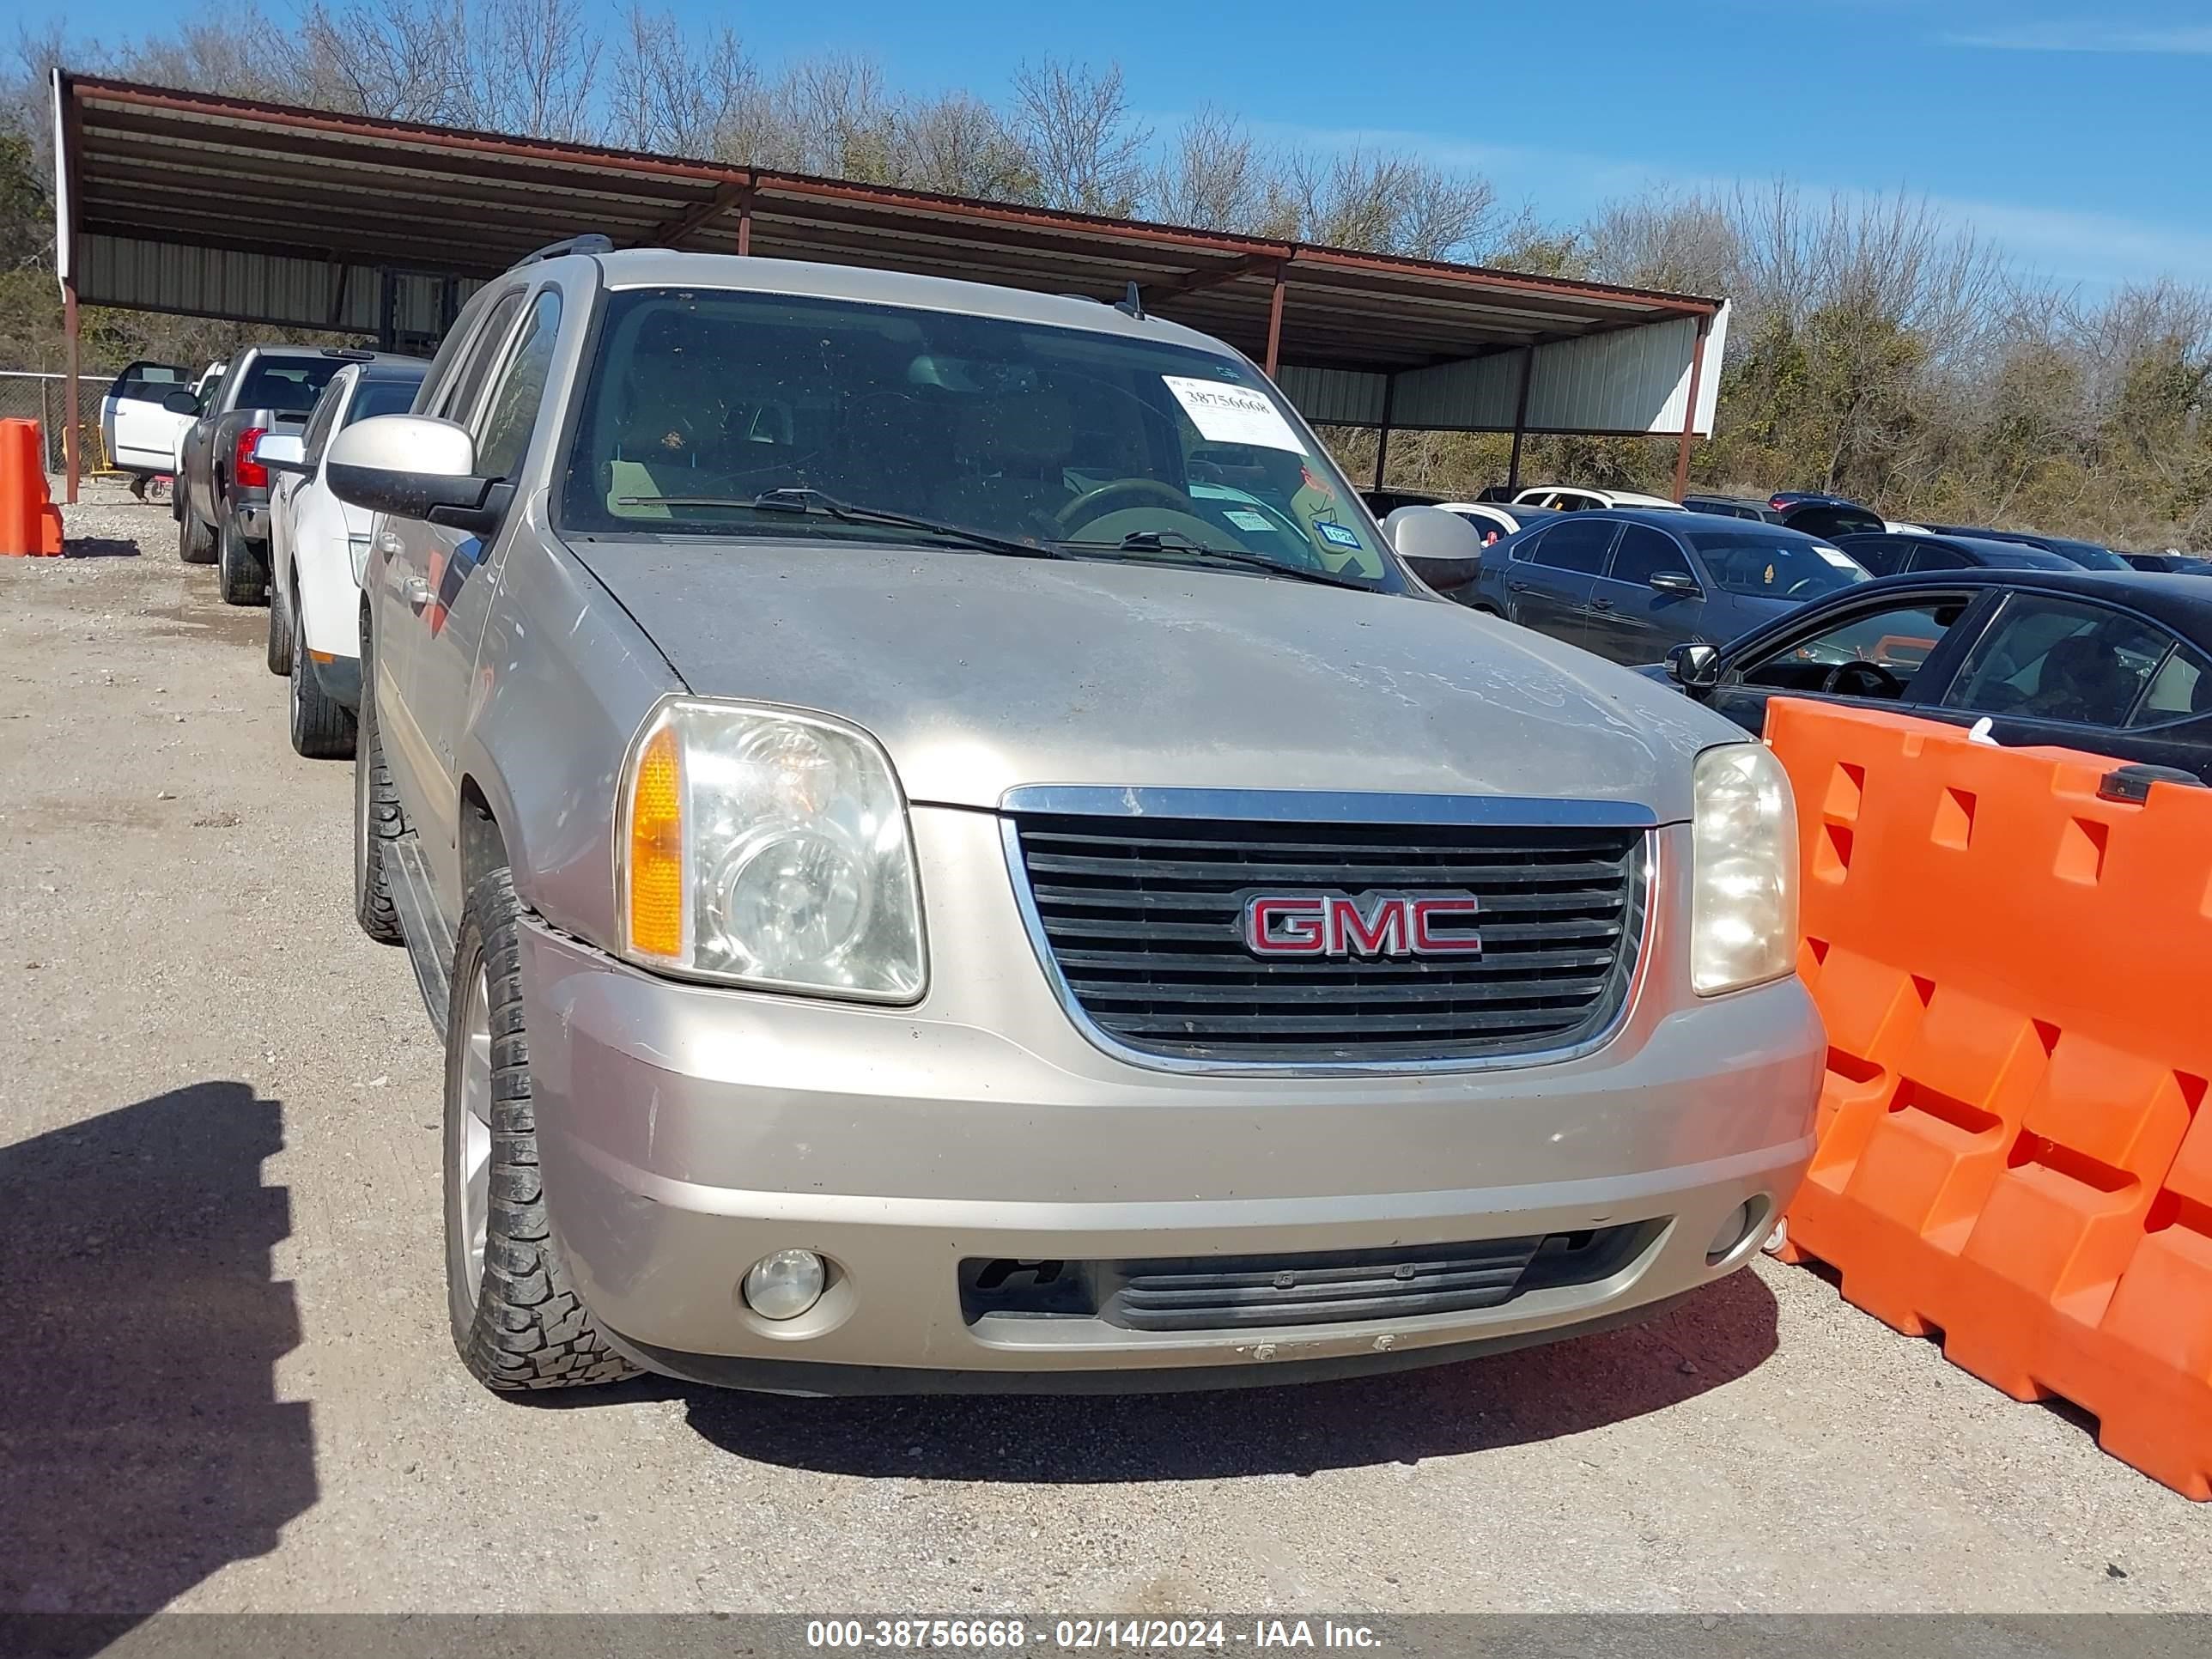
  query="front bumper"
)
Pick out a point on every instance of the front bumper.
point(686, 1131)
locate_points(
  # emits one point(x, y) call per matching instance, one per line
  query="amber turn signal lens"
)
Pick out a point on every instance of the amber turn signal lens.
point(656, 848)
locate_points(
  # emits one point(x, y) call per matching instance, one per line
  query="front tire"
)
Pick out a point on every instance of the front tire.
point(322, 726)
point(378, 819)
point(242, 573)
point(517, 1322)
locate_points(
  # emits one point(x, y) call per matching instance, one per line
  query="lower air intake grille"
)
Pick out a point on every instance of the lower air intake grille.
point(1236, 1292)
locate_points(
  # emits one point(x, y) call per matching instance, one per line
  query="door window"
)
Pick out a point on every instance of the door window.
point(2180, 689)
point(512, 414)
point(318, 432)
point(1645, 553)
point(1578, 545)
point(2061, 660)
point(1874, 653)
point(482, 352)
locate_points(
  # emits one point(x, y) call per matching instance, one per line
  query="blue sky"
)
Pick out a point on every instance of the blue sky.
point(2073, 131)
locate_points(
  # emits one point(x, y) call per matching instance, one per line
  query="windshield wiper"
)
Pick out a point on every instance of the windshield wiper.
point(1174, 541)
point(801, 499)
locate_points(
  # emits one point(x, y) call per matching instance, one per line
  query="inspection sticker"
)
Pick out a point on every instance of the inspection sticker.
point(1233, 414)
point(1336, 535)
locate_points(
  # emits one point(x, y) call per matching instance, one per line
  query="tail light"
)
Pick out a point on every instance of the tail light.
point(244, 469)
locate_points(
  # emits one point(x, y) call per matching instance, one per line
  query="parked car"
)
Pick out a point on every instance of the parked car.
point(1733, 507)
point(2089, 555)
point(1577, 498)
point(1887, 554)
point(2181, 564)
point(318, 546)
point(940, 903)
point(2115, 663)
point(1825, 516)
point(1496, 520)
point(138, 427)
point(1629, 583)
point(220, 501)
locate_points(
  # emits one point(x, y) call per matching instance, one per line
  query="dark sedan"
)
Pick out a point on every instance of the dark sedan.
point(2089, 555)
point(1628, 582)
point(2182, 564)
point(1907, 552)
point(2116, 663)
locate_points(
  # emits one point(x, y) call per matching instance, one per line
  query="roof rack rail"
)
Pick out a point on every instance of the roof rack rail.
point(590, 242)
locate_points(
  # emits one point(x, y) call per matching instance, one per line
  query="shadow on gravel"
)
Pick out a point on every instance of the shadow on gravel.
point(1507, 1399)
point(98, 547)
point(141, 1445)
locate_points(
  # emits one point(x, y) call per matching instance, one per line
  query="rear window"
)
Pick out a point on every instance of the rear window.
point(382, 397)
point(1772, 567)
point(1834, 520)
point(289, 386)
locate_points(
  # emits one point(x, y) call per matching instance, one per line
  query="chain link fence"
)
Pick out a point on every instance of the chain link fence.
point(26, 396)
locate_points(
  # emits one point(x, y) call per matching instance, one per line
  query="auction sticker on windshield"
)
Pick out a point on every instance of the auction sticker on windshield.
point(1233, 415)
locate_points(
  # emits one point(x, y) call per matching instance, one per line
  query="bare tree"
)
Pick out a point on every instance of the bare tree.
point(1085, 144)
point(1214, 176)
point(1390, 202)
point(668, 91)
point(957, 145)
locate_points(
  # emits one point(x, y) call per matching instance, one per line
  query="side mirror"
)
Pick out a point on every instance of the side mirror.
point(413, 466)
point(181, 402)
point(1678, 584)
point(1694, 667)
point(281, 452)
point(1431, 533)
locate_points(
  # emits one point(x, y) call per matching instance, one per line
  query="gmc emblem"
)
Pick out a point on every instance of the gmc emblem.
point(1369, 924)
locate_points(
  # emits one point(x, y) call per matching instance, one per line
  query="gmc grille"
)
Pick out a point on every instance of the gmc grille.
point(1143, 918)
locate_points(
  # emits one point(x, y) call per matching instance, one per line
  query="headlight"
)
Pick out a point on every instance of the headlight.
point(1743, 905)
point(764, 846)
point(357, 551)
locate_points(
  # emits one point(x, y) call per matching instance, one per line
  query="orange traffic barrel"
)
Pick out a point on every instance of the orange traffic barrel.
point(30, 520)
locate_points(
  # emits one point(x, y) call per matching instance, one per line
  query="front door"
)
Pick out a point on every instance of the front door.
point(1874, 653)
point(406, 564)
point(1630, 620)
point(458, 573)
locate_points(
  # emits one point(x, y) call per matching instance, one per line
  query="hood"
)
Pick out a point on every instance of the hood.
point(979, 673)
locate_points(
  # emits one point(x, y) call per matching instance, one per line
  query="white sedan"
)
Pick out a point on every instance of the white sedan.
point(318, 547)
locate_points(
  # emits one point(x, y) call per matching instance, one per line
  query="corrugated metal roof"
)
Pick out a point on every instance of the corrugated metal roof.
point(184, 202)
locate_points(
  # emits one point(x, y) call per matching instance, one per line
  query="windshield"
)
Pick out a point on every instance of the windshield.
point(289, 386)
point(1775, 566)
point(701, 401)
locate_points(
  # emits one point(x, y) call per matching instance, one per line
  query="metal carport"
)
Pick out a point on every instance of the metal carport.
point(177, 200)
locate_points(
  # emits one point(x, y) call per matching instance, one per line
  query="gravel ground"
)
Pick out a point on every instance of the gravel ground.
point(231, 1387)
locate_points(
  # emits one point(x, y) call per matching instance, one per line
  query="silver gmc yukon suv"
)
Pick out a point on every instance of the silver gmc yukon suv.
point(949, 853)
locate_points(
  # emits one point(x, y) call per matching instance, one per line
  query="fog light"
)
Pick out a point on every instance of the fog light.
point(1737, 1226)
point(786, 1284)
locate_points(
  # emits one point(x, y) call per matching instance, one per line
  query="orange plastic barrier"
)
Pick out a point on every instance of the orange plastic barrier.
point(2013, 1151)
point(29, 522)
